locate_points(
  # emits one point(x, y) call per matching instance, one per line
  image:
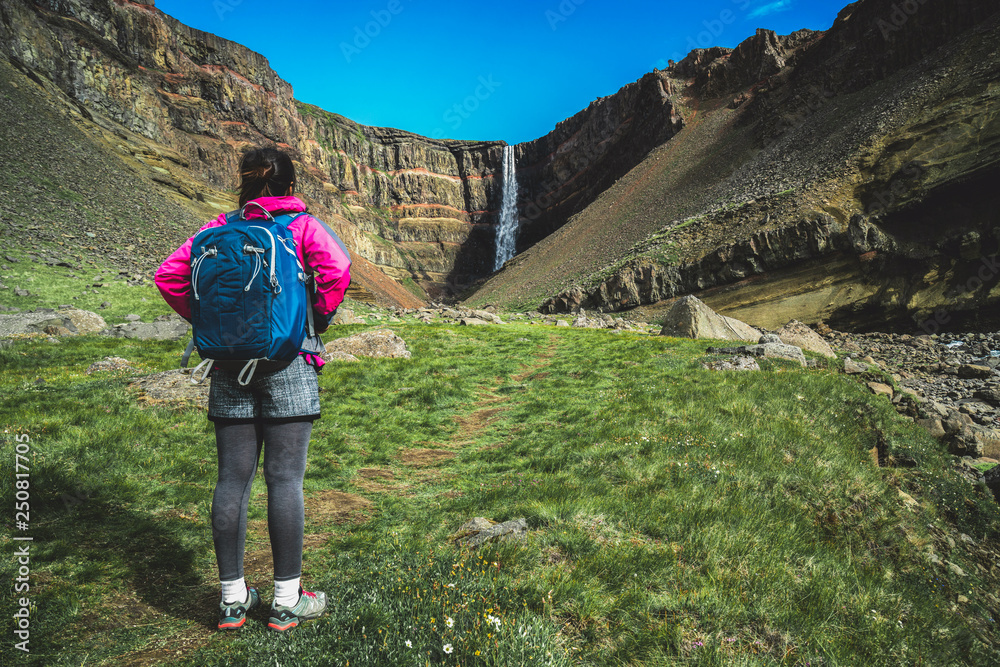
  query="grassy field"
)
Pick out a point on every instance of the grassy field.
point(677, 516)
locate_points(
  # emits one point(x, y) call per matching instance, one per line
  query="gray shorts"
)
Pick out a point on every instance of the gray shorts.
point(291, 393)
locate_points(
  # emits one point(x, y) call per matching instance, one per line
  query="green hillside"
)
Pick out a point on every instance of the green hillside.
point(676, 515)
point(910, 154)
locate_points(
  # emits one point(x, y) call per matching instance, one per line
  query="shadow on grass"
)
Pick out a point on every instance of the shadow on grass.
point(155, 555)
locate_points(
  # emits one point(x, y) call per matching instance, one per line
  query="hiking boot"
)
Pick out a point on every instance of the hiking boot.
point(310, 605)
point(232, 616)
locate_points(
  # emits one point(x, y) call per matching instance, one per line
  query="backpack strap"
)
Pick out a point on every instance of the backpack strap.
point(292, 217)
point(311, 319)
point(186, 357)
point(267, 214)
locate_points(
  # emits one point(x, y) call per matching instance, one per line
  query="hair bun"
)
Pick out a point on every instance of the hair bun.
point(265, 172)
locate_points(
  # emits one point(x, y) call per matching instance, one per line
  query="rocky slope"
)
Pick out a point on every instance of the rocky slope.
point(840, 176)
point(185, 103)
point(561, 173)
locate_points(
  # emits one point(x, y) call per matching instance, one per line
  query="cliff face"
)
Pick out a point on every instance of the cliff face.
point(564, 171)
point(740, 174)
point(187, 102)
point(886, 124)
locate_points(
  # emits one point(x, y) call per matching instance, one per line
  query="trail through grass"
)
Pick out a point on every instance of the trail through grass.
point(676, 515)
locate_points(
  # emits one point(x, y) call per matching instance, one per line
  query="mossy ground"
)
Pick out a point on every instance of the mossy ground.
point(677, 516)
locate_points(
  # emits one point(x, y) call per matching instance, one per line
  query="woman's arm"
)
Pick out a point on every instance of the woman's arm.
point(330, 262)
point(173, 278)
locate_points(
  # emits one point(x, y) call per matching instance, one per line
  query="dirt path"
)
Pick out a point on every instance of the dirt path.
point(326, 509)
point(489, 406)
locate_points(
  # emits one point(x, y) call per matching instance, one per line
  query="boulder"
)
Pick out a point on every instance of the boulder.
point(173, 386)
point(880, 389)
point(975, 372)
point(170, 328)
point(82, 321)
point(854, 368)
point(382, 343)
point(337, 355)
point(798, 334)
point(934, 426)
point(62, 321)
point(990, 395)
point(737, 363)
point(964, 443)
point(690, 318)
point(767, 350)
point(476, 525)
point(779, 351)
point(346, 316)
point(472, 322)
point(488, 316)
point(479, 530)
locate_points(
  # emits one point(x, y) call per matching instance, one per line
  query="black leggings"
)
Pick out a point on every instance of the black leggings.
point(285, 447)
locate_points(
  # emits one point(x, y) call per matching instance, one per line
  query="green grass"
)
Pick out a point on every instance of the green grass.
point(53, 286)
point(677, 516)
point(413, 288)
point(60, 192)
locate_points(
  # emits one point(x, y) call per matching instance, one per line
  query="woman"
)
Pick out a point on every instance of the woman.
point(274, 412)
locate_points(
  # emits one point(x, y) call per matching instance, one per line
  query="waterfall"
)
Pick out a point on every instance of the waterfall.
point(507, 227)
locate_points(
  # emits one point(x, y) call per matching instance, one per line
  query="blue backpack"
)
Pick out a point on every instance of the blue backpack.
point(249, 297)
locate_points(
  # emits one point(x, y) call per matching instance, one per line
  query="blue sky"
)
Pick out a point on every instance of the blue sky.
point(481, 70)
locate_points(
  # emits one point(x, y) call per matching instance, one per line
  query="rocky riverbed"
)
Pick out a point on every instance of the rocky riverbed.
point(953, 376)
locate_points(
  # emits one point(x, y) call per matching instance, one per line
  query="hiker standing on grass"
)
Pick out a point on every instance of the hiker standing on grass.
point(274, 408)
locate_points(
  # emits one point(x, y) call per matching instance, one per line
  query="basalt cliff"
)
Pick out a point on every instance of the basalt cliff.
point(843, 175)
point(420, 213)
point(846, 176)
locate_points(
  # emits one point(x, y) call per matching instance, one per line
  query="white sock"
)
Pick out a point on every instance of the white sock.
point(286, 593)
point(235, 591)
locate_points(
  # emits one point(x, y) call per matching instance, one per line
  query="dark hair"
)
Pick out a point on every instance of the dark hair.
point(265, 172)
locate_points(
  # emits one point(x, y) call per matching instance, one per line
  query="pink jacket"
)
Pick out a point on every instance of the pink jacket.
point(320, 250)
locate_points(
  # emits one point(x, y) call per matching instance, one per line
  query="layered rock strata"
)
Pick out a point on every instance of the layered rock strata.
point(866, 198)
point(564, 171)
point(186, 103)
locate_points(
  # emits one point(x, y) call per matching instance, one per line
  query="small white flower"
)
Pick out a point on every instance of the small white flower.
point(451, 585)
point(409, 644)
point(449, 621)
point(448, 648)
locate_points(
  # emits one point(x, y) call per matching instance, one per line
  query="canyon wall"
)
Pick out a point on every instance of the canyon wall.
point(189, 102)
point(562, 172)
point(779, 150)
point(867, 195)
